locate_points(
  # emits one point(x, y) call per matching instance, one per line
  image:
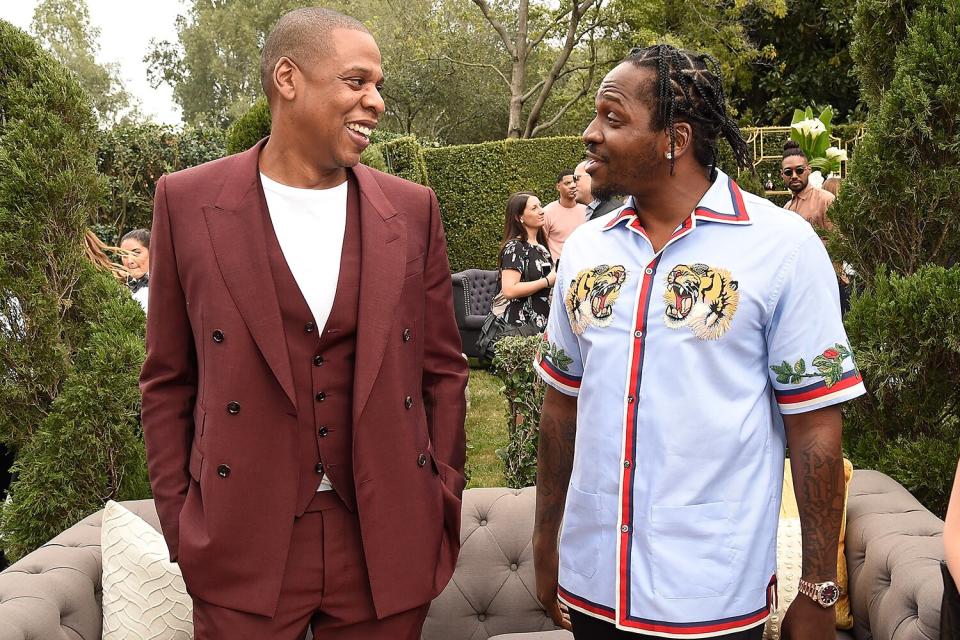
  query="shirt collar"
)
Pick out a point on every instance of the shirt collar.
point(723, 202)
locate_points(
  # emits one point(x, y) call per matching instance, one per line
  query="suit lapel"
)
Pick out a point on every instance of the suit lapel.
point(383, 236)
point(235, 225)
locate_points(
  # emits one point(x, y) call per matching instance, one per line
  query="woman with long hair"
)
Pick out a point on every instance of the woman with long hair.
point(526, 270)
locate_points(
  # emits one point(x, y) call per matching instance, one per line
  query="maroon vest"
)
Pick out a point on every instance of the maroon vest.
point(322, 359)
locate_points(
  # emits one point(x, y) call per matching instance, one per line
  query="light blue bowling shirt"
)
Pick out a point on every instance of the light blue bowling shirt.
point(683, 362)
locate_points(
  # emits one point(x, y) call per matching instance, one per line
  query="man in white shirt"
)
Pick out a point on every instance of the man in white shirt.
point(304, 382)
point(562, 216)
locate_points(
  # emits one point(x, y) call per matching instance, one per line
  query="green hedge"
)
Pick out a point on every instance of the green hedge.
point(524, 391)
point(71, 337)
point(250, 128)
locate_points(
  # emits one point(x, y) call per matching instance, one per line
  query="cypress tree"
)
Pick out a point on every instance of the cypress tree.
point(896, 223)
point(70, 335)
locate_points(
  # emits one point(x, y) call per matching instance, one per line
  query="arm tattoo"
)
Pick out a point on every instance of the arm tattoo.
point(820, 502)
point(558, 431)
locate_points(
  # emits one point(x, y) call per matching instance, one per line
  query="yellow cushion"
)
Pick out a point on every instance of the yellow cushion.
point(788, 544)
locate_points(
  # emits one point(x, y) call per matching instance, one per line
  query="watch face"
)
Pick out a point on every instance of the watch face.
point(829, 594)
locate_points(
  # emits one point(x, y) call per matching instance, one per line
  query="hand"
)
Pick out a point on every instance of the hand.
point(551, 278)
point(546, 564)
point(807, 620)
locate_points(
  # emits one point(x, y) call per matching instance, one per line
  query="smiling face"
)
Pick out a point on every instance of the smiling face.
point(137, 258)
point(624, 154)
point(532, 216)
point(335, 103)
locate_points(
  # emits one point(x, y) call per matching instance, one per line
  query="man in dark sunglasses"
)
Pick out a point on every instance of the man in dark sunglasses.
point(808, 201)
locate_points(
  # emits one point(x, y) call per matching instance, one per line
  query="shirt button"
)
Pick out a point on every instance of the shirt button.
point(223, 471)
point(625, 528)
point(321, 396)
point(638, 334)
point(629, 398)
point(218, 336)
point(406, 335)
point(323, 432)
point(318, 361)
point(408, 402)
point(648, 271)
point(309, 327)
point(421, 460)
point(233, 408)
point(319, 467)
point(626, 464)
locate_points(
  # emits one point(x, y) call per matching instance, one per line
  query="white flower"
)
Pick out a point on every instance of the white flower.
point(836, 154)
point(810, 126)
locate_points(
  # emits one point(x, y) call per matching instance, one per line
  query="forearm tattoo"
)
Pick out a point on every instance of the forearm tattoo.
point(820, 502)
point(554, 463)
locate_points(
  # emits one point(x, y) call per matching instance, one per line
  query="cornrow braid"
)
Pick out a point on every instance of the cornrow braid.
point(689, 88)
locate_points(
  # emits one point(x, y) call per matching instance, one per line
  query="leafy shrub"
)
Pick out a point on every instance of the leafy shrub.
point(70, 336)
point(896, 224)
point(249, 128)
point(403, 157)
point(524, 392)
point(906, 333)
point(134, 156)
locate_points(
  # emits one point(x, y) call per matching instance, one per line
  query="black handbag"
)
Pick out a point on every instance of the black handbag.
point(950, 609)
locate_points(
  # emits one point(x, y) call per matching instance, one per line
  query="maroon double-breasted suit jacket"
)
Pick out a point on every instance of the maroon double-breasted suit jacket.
point(224, 480)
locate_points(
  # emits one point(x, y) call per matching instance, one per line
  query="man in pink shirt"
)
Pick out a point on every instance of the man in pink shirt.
point(562, 216)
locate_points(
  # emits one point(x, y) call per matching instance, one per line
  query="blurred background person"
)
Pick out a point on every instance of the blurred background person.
point(563, 215)
point(832, 185)
point(136, 259)
point(96, 251)
point(526, 269)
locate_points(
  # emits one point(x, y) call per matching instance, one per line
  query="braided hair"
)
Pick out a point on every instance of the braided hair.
point(689, 88)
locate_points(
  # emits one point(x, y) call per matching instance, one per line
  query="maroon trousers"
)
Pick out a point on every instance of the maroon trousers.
point(325, 587)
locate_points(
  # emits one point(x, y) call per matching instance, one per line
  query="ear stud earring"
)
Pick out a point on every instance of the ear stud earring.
point(668, 155)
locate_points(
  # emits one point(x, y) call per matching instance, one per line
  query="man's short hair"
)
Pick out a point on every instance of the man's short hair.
point(791, 148)
point(301, 35)
point(563, 174)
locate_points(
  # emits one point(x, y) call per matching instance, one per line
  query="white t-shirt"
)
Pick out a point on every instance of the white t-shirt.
point(310, 224)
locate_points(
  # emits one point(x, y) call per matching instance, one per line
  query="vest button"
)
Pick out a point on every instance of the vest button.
point(218, 336)
point(321, 396)
point(421, 460)
point(309, 327)
point(319, 467)
point(233, 408)
point(406, 335)
point(408, 402)
point(323, 432)
point(223, 471)
point(318, 361)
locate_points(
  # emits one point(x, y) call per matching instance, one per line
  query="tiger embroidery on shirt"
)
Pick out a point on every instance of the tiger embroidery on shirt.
point(701, 297)
point(590, 299)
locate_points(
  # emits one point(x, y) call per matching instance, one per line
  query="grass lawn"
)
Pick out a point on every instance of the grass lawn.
point(486, 429)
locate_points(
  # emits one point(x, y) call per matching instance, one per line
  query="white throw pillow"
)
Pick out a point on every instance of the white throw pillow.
point(144, 597)
point(789, 569)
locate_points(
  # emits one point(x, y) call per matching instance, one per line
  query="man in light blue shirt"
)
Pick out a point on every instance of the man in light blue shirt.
point(692, 335)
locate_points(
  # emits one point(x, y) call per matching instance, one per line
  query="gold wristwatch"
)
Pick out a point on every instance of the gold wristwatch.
point(824, 594)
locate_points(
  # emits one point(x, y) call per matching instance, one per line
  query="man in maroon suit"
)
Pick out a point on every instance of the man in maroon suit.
point(303, 397)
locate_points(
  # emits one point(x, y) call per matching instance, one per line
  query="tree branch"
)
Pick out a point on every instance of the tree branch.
point(531, 91)
point(482, 65)
point(504, 36)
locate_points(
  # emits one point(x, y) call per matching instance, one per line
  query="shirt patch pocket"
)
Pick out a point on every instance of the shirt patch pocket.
point(691, 550)
point(592, 294)
point(581, 537)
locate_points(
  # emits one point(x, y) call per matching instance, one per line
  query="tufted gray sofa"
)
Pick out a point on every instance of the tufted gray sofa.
point(473, 292)
point(893, 548)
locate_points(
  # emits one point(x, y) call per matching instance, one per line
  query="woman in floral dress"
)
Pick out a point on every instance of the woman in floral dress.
point(526, 270)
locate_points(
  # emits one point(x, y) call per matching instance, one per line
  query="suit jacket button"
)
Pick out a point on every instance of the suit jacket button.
point(218, 336)
point(421, 460)
point(408, 402)
point(318, 361)
point(309, 327)
point(406, 335)
point(223, 471)
point(323, 432)
point(319, 467)
point(233, 408)
point(321, 396)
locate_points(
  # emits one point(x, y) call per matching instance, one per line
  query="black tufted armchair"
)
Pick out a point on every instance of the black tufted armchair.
point(473, 291)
